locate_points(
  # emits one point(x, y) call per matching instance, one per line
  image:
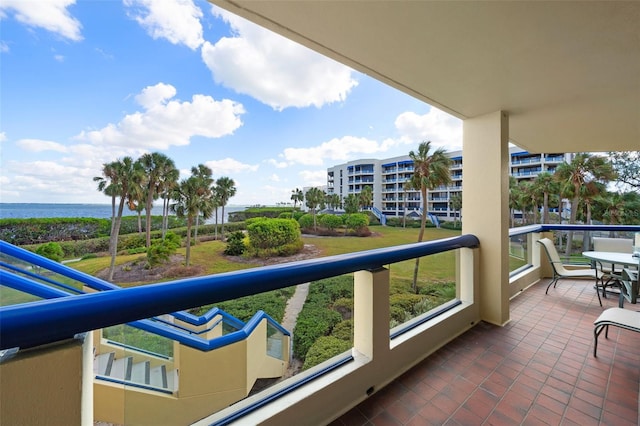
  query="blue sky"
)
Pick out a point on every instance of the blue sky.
point(84, 83)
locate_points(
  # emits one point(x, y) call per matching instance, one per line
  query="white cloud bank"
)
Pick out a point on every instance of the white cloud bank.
point(229, 166)
point(177, 21)
point(340, 149)
point(273, 69)
point(51, 15)
point(167, 122)
point(436, 126)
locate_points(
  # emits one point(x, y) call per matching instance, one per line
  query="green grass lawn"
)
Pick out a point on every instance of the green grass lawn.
point(210, 254)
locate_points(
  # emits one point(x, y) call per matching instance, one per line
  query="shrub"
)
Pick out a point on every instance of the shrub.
point(162, 249)
point(132, 241)
point(402, 305)
point(344, 306)
point(313, 322)
point(285, 250)
point(323, 349)
point(344, 331)
point(317, 319)
point(330, 221)
point(235, 244)
point(51, 251)
point(270, 233)
point(273, 303)
point(306, 221)
point(137, 250)
point(356, 221)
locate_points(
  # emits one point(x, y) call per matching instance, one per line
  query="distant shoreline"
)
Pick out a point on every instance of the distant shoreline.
point(74, 210)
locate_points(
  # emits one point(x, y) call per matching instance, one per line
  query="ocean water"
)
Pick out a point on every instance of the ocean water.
point(101, 211)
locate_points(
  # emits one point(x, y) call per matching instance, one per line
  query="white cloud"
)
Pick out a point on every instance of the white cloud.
point(273, 69)
point(49, 177)
point(313, 177)
point(229, 166)
point(439, 127)
point(3, 136)
point(168, 122)
point(177, 21)
point(155, 95)
point(274, 178)
point(277, 164)
point(38, 145)
point(59, 58)
point(4, 47)
point(52, 15)
point(336, 149)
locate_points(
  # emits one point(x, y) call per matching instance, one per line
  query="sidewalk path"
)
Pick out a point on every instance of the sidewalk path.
point(294, 306)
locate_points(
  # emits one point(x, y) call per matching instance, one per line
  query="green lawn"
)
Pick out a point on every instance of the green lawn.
point(209, 254)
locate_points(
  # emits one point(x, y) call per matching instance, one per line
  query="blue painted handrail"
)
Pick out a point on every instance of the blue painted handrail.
point(21, 325)
point(570, 227)
point(98, 284)
point(169, 331)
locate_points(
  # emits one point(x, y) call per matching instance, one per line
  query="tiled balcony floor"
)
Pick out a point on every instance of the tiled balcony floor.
point(538, 369)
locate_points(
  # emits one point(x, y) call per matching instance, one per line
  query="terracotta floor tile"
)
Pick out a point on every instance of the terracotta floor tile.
point(538, 369)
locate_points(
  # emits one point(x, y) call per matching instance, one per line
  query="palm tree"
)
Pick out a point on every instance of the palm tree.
point(583, 169)
point(429, 172)
point(351, 204)
point(365, 197)
point(333, 201)
point(187, 204)
point(546, 184)
point(124, 177)
point(315, 197)
point(108, 183)
point(155, 165)
point(297, 196)
point(168, 182)
point(529, 199)
point(203, 174)
point(456, 204)
point(226, 188)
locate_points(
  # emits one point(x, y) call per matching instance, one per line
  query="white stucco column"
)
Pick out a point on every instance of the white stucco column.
point(485, 207)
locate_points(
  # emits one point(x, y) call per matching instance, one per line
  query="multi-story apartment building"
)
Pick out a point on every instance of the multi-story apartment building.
point(387, 178)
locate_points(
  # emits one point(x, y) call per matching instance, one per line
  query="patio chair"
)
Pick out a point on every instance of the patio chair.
point(559, 270)
point(619, 245)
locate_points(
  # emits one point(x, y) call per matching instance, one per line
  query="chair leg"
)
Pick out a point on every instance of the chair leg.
point(553, 282)
point(596, 333)
point(598, 293)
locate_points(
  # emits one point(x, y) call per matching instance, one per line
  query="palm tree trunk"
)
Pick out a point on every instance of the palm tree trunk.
point(222, 236)
point(148, 223)
point(113, 240)
point(423, 224)
point(197, 224)
point(216, 230)
point(188, 251)
point(572, 219)
point(545, 208)
point(165, 216)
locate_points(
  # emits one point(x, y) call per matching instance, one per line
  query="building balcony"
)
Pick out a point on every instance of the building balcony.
point(538, 366)
point(538, 369)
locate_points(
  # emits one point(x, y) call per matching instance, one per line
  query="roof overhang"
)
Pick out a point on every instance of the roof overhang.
point(567, 73)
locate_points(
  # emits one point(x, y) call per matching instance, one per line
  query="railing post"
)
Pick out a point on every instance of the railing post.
point(371, 312)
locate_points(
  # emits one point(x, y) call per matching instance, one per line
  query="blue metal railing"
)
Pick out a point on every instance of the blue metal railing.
point(14, 277)
point(562, 227)
point(21, 325)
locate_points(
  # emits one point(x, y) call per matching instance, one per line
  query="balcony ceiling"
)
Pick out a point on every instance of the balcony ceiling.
point(568, 73)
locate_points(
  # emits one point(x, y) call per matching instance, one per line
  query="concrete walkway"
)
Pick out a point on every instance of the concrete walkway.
point(294, 306)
